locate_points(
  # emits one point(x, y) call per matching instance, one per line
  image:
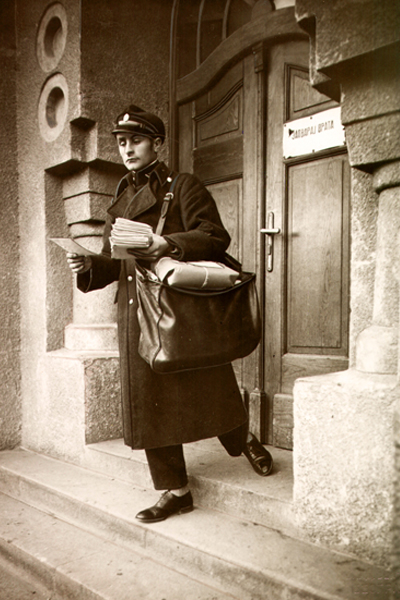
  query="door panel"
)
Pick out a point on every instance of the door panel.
point(220, 160)
point(215, 147)
point(228, 196)
point(307, 292)
point(316, 303)
point(222, 124)
point(303, 99)
point(219, 145)
point(317, 235)
point(231, 80)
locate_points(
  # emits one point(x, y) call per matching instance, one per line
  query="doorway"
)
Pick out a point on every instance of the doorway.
point(238, 75)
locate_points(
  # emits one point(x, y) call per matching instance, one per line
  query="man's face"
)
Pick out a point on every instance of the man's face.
point(137, 151)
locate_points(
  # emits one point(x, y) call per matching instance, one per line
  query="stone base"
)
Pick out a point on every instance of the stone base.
point(377, 349)
point(80, 403)
point(344, 463)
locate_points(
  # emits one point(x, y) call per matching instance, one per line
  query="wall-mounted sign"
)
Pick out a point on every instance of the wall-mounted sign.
point(311, 134)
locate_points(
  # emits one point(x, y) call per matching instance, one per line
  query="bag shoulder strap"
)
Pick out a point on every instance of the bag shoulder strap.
point(228, 259)
point(165, 206)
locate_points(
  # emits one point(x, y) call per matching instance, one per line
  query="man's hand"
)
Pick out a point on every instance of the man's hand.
point(79, 264)
point(158, 248)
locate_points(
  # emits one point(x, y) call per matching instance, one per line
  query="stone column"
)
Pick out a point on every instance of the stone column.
point(343, 434)
point(83, 376)
point(377, 346)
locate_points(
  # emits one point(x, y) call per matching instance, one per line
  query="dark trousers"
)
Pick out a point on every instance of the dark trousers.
point(167, 464)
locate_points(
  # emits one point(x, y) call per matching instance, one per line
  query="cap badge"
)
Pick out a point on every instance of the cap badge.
point(125, 117)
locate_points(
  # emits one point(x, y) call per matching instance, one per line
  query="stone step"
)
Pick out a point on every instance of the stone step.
point(15, 582)
point(217, 480)
point(70, 563)
point(235, 556)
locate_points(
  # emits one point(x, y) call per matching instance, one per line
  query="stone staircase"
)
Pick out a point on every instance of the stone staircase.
point(73, 528)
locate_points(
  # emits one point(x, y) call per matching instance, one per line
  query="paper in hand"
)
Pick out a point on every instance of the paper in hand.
point(127, 234)
point(131, 234)
point(70, 245)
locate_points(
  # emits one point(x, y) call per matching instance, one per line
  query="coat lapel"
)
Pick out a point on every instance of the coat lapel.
point(130, 204)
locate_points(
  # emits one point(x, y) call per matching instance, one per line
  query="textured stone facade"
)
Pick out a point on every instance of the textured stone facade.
point(78, 64)
point(10, 378)
point(344, 444)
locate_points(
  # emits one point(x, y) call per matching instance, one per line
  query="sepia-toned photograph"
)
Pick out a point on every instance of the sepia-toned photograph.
point(200, 267)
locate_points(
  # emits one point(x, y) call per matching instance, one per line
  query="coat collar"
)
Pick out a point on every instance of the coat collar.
point(131, 203)
point(160, 174)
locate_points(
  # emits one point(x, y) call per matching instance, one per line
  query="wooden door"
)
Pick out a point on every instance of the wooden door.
point(220, 139)
point(307, 307)
point(228, 112)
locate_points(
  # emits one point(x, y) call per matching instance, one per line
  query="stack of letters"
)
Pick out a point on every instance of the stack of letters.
point(129, 234)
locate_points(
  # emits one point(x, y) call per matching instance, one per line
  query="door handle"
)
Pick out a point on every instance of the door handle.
point(270, 231)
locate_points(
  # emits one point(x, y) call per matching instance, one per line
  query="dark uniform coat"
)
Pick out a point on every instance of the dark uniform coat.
point(166, 409)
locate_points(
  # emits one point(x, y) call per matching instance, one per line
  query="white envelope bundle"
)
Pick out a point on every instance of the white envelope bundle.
point(129, 234)
point(201, 274)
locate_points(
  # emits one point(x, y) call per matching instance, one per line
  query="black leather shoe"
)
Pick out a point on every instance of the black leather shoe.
point(168, 505)
point(259, 458)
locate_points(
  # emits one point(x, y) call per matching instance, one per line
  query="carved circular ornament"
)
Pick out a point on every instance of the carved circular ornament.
point(53, 107)
point(51, 37)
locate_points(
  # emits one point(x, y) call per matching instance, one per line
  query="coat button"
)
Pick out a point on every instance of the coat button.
point(130, 278)
point(131, 301)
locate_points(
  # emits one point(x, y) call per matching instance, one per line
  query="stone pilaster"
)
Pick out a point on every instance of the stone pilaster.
point(377, 346)
point(343, 447)
point(83, 376)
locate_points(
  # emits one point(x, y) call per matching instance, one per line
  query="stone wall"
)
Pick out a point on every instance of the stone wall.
point(344, 443)
point(364, 216)
point(80, 63)
point(10, 396)
point(395, 554)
